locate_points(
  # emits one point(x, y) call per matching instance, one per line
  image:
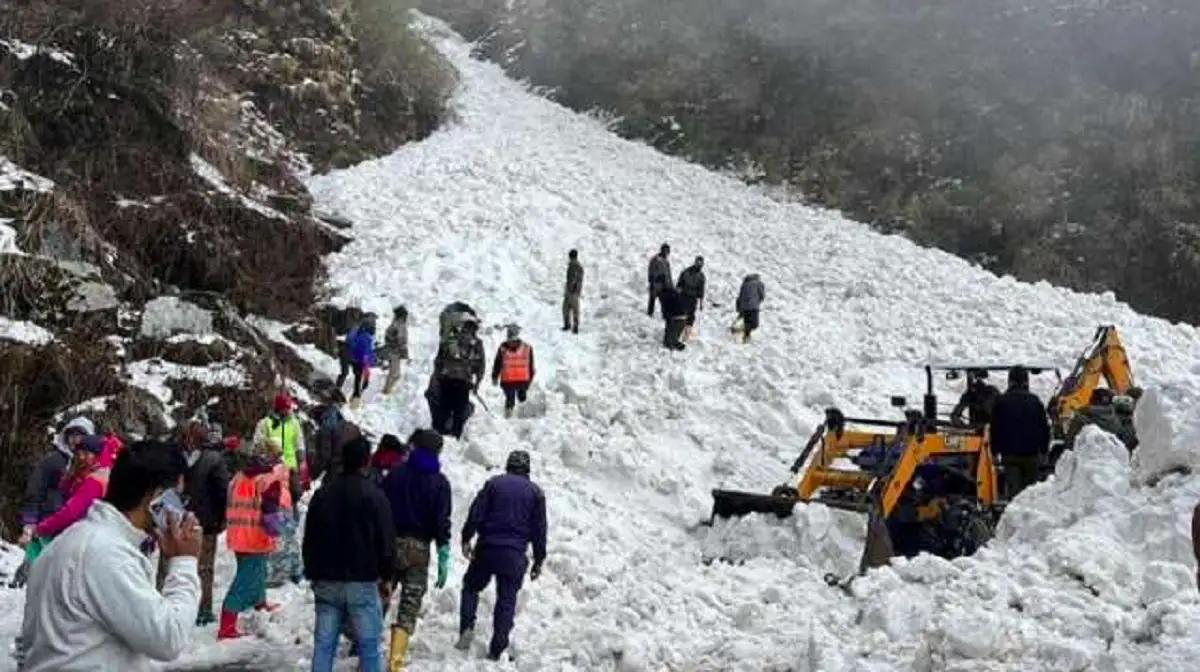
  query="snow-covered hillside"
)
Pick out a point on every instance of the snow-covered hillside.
point(1091, 571)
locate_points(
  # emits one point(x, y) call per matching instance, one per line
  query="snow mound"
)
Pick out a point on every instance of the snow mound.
point(23, 332)
point(820, 538)
point(1168, 428)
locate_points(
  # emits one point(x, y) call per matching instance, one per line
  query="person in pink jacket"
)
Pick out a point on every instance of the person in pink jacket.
point(84, 483)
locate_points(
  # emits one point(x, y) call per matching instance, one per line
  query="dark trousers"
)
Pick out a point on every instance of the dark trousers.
point(346, 366)
point(690, 304)
point(749, 321)
point(514, 392)
point(673, 332)
point(1020, 472)
point(508, 566)
point(454, 400)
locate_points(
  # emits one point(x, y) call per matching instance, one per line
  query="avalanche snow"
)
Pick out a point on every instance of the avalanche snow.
point(1091, 569)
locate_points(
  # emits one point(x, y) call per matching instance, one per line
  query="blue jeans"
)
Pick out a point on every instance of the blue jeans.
point(338, 602)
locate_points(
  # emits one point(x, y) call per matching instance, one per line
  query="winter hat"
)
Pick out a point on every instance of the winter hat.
point(1018, 376)
point(282, 403)
point(91, 443)
point(426, 439)
point(391, 442)
point(513, 332)
point(517, 463)
point(665, 249)
point(400, 311)
point(232, 442)
point(699, 260)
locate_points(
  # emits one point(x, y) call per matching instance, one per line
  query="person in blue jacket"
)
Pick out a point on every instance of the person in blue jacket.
point(358, 355)
point(508, 514)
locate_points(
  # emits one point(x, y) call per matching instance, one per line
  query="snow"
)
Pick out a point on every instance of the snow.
point(8, 237)
point(14, 177)
point(210, 174)
point(24, 50)
point(23, 332)
point(152, 375)
point(1090, 570)
point(169, 315)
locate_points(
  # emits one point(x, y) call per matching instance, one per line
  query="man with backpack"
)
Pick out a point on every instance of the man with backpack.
point(691, 291)
point(457, 371)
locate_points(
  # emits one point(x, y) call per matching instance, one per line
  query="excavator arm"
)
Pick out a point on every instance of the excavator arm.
point(1105, 359)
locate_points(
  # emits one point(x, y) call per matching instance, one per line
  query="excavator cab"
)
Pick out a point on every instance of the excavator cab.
point(925, 484)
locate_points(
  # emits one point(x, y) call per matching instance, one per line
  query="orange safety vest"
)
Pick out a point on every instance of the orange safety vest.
point(281, 475)
point(244, 532)
point(514, 364)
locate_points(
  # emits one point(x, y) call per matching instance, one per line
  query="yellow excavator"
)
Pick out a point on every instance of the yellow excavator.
point(926, 483)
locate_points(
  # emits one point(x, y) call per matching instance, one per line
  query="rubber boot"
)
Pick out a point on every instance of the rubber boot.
point(464, 639)
point(397, 649)
point(228, 626)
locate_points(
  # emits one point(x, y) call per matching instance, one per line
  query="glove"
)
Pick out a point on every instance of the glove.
point(305, 481)
point(536, 570)
point(443, 553)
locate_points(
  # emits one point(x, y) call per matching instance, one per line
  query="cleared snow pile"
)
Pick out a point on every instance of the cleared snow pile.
point(23, 332)
point(821, 538)
point(1168, 430)
point(168, 315)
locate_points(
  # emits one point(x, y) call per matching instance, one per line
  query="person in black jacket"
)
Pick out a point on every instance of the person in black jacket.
point(349, 554)
point(419, 495)
point(674, 309)
point(691, 289)
point(206, 494)
point(1020, 432)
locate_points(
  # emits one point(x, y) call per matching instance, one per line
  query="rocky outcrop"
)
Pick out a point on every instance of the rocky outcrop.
point(151, 211)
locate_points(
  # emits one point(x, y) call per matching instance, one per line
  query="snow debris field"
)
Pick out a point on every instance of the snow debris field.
point(1091, 570)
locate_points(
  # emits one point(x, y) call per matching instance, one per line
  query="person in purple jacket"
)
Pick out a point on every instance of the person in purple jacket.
point(508, 514)
point(358, 355)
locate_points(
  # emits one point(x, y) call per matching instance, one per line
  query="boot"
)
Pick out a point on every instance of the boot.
point(228, 626)
point(575, 329)
point(387, 389)
point(508, 412)
point(399, 646)
point(566, 327)
point(205, 617)
point(464, 639)
point(355, 403)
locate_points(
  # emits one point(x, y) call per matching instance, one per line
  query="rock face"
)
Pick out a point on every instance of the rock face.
point(151, 211)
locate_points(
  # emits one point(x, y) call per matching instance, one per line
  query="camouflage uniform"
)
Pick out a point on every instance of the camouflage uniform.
point(285, 563)
point(412, 576)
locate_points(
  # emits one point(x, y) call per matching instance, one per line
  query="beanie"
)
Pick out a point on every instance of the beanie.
point(282, 403)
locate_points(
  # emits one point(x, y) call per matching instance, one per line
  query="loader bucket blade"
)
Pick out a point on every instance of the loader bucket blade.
point(878, 550)
point(733, 504)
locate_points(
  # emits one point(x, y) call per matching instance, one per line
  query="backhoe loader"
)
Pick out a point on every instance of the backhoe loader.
point(925, 483)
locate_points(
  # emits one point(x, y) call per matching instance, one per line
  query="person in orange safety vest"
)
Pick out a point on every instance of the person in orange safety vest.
point(513, 369)
point(254, 521)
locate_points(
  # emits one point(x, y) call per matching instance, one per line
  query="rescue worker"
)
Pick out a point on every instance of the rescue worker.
point(691, 290)
point(254, 523)
point(1020, 432)
point(43, 493)
point(395, 348)
point(749, 301)
point(976, 400)
point(674, 312)
point(420, 500)
point(458, 369)
point(572, 292)
point(513, 369)
point(349, 556)
point(206, 493)
point(358, 355)
point(283, 426)
point(508, 514)
point(658, 276)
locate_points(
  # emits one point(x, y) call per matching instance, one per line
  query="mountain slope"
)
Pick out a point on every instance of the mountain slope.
point(628, 439)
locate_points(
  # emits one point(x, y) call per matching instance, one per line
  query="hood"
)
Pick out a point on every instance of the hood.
point(424, 460)
point(750, 278)
point(80, 422)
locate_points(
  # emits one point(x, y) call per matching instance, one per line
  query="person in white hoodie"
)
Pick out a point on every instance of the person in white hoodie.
point(91, 602)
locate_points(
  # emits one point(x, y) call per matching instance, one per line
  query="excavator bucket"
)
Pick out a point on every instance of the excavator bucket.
point(734, 504)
